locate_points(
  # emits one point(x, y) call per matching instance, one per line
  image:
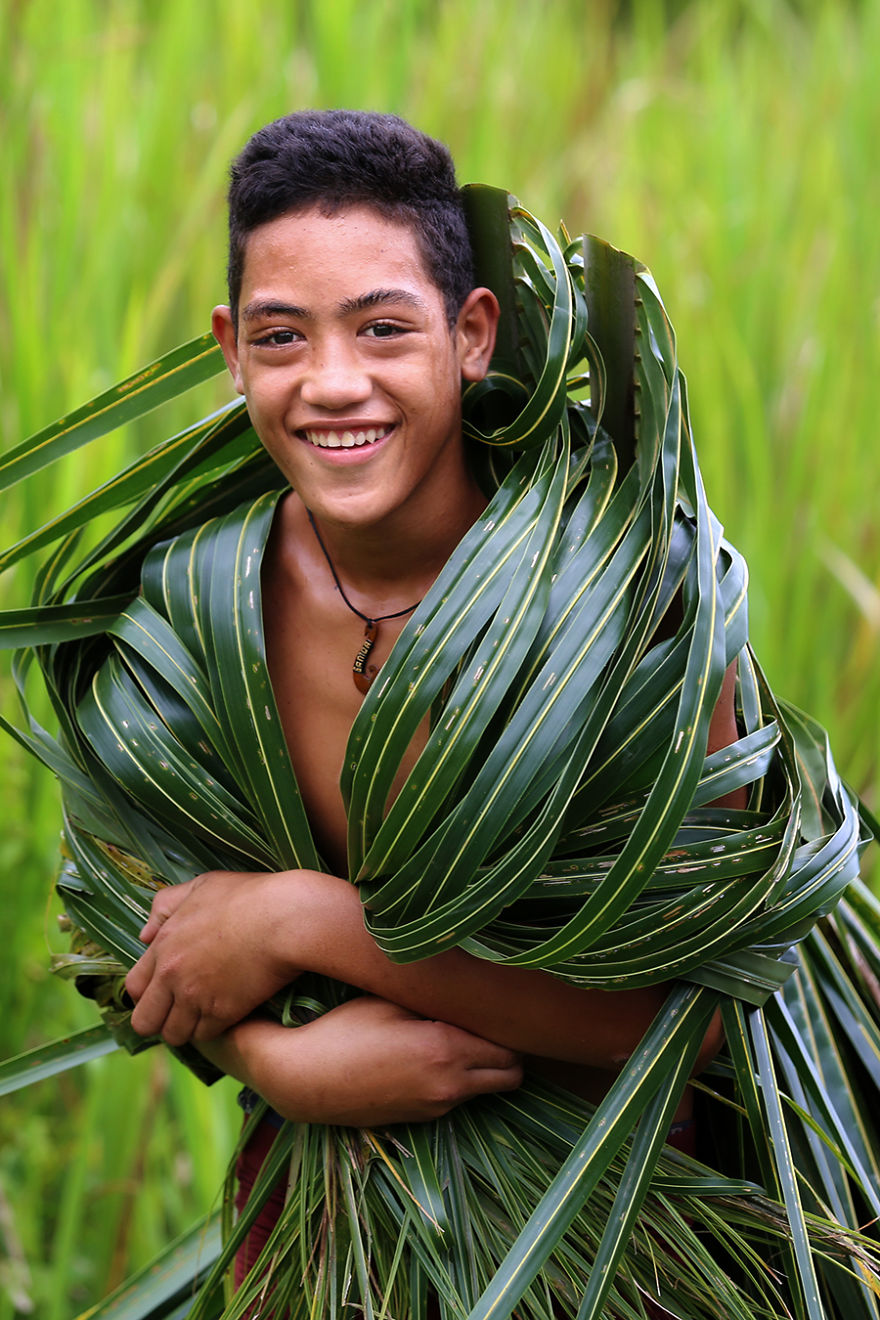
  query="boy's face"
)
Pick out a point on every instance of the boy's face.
point(350, 370)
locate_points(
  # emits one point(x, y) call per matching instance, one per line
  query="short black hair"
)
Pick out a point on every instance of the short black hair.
point(331, 159)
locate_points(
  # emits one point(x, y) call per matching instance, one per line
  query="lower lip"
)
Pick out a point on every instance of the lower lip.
point(343, 456)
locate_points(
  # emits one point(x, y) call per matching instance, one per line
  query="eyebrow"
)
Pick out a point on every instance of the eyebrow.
point(270, 307)
point(378, 298)
point(363, 302)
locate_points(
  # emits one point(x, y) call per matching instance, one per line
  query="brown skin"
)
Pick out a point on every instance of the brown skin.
point(343, 331)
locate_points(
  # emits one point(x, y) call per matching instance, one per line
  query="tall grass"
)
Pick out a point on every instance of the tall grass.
point(731, 146)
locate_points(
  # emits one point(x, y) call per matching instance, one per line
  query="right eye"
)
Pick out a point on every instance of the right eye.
point(278, 338)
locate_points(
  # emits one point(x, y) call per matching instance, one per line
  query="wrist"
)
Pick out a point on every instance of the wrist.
point(318, 916)
point(237, 1051)
point(276, 1063)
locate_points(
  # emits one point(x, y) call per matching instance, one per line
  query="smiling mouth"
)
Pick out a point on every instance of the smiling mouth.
point(346, 439)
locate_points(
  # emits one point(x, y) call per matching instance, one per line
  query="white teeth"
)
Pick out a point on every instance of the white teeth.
point(343, 439)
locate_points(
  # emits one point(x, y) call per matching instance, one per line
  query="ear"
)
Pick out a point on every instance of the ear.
point(224, 331)
point(475, 332)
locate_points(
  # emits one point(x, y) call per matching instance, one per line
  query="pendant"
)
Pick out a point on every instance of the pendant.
point(362, 673)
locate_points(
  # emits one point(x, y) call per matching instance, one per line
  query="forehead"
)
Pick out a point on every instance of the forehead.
point(340, 255)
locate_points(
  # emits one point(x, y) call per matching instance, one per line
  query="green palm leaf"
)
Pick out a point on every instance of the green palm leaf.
point(47, 1060)
point(569, 658)
point(163, 1290)
point(164, 379)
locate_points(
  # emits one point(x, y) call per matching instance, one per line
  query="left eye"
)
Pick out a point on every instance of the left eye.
point(383, 330)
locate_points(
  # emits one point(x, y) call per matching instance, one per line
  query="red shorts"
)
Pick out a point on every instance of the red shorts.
point(247, 1169)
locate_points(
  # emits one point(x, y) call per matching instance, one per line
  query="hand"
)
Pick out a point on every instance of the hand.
point(209, 961)
point(367, 1063)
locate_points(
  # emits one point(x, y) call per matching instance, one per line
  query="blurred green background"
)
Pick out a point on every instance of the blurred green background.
point(731, 146)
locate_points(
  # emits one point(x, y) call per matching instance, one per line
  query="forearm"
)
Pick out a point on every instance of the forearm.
point(223, 944)
point(528, 1011)
point(229, 1052)
point(255, 1053)
point(366, 1062)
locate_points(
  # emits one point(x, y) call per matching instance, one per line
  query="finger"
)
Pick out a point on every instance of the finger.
point(140, 975)
point(209, 1028)
point(165, 904)
point(486, 1054)
point(488, 1080)
point(499, 1056)
point(152, 1009)
point(151, 929)
point(181, 1024)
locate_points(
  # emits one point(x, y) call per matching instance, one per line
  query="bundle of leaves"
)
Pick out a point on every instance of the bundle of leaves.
point(569, 658)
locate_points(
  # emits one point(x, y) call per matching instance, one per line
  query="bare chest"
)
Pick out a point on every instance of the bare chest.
point(310, 650)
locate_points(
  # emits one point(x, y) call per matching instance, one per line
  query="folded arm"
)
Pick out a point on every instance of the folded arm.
point(364, 1063)
point(221, 945)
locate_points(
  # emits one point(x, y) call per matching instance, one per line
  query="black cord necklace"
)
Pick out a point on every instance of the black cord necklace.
point(362, 673)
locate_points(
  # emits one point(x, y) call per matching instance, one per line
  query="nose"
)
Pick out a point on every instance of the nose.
point(335, 377)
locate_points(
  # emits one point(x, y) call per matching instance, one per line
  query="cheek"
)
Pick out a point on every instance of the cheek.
point(267, 402)
point(271, 431)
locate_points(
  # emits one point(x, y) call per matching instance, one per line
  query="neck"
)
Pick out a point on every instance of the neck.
point(397, 557)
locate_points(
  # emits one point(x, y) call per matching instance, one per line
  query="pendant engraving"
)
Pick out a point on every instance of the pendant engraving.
point(363, 676)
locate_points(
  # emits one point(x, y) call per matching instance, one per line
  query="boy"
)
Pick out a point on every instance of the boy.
point(351, 326)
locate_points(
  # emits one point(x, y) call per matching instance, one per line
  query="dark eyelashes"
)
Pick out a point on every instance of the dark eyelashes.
point(272, 340)
point(286, 338)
